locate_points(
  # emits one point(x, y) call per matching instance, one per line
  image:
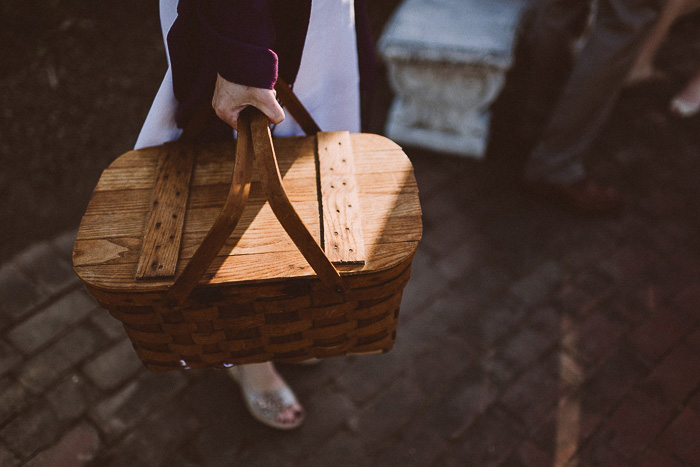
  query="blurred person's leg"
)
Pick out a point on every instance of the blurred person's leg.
point(591, 91)
point(643, 67)
point(549, 42)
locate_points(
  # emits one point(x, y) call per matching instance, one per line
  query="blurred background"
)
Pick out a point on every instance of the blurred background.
point(529, 336)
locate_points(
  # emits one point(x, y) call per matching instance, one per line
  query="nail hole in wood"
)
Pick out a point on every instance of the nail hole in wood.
point(157, 225)
point(172, 237)
point(174, 216)
point(350, 250)
point(160, 266)
point(155, 203)
point(157, 247)
point(337, 210)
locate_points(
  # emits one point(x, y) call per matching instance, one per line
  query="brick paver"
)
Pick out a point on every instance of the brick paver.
point(529, 336)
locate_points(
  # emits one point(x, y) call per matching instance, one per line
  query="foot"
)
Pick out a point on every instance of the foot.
point(687, 102)
point(585, 196)
point(684, 108)
point(267, 396)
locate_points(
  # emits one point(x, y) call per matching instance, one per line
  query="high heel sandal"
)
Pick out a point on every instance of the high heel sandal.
point(267, 407)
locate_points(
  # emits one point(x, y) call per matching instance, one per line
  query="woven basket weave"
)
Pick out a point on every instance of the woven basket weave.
point(256, 286)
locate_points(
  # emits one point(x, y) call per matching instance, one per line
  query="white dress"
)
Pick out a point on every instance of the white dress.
point(328, 82)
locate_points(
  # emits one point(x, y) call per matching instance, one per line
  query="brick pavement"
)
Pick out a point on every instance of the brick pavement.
point(528, 337)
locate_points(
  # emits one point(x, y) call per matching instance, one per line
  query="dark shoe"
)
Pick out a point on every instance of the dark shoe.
point(585, 196)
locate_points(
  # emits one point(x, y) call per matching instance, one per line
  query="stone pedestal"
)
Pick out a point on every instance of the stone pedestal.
point(447, 61)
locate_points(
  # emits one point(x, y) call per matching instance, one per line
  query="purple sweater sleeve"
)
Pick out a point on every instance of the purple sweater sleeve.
point(240, 35)
point(233, 38)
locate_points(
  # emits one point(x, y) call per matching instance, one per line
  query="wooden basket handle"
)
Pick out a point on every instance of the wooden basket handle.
point(254, 139)
point(271, 180)
point(296, 109)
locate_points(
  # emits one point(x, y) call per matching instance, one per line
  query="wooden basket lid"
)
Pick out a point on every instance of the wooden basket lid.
point(110, 237)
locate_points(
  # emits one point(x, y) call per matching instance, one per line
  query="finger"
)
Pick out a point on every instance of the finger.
point(270, 107)
point(228, 114)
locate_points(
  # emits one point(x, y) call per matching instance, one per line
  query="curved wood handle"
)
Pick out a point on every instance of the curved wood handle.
point(227, 220)
point(271, 180)
point(254, 138)
point(297, 110)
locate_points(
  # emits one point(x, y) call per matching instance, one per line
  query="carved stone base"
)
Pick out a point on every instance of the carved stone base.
point(447, 61)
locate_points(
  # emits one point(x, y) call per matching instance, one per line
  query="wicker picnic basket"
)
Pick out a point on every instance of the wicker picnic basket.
point(209, 263)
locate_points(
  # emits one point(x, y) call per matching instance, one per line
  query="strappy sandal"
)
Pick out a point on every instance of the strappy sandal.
point(267, 407)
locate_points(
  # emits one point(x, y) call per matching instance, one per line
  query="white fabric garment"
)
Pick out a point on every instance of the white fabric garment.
point(328, 82)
